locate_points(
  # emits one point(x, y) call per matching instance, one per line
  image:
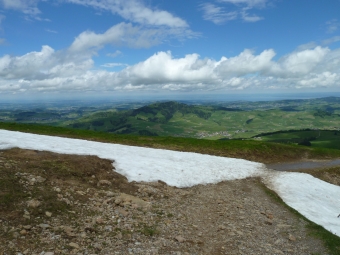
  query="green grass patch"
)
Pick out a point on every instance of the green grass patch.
point(149, 230)
point(318, 138)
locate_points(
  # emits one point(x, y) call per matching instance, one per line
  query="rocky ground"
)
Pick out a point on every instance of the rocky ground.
point(62, 204)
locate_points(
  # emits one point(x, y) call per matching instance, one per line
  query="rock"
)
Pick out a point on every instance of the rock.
point(27, 251)
point(74, 245)
point(99, 220)
point(27, 227)
point(40, 180)
point(128, 199)
point(292, 238)
point(283, 226)
point(118, 201)
point(110, 194)
point(69, 231)
point(57, 190)
point(97, 246)
point(48, 214)
point(104, 183)
point(239, 233)
point(49, 253)
point(270, 216)
point(23, 232)
point(33, 203)
point(179, 239)
point(27, 216)
point(44, 226)
point(221, 227)
point(108, 228)
point(122, 212)
point(269, 222)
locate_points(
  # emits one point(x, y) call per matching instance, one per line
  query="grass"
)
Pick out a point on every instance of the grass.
point(318, 138)
point(149, 230)
point(247, 149)
point(331, 241)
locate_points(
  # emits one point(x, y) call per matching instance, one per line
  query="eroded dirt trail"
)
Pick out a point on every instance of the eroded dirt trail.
point(237, 217)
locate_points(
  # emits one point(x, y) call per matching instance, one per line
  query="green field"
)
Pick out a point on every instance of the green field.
point(211, 122)
point(317, 138)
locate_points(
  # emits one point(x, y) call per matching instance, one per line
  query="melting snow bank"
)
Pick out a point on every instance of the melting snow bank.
point(316, 200)
point(181, 169)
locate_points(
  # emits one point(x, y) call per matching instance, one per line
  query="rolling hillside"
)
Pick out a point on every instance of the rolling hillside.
point(215, 121)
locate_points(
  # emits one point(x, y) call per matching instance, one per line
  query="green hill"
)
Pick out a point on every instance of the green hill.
point(214, 121)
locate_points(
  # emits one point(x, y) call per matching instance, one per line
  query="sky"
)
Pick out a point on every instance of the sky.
point(168, 47)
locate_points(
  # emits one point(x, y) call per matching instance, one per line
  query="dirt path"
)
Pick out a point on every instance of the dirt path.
point(64, 204)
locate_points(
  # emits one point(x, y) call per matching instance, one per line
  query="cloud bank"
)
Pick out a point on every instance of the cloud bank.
point(73, 69)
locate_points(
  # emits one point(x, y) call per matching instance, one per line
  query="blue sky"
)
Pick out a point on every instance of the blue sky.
point(117, 47)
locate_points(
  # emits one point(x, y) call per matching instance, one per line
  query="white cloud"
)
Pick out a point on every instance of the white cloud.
point(50, 70)
point(115, 54)
point(216, 14)
point(51, 31)
point(248, 3)
point(126, 35)
point(332, 26)
point(112, 65)
point(300, 62)
point(324, 79)
point(135, 11)
point(246, 63)
point(331, 40)
point(28, 7)
point(250, 18)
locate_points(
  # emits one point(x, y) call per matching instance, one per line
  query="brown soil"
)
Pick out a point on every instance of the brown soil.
point(84, 210)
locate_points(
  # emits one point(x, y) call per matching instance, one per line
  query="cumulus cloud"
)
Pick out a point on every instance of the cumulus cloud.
point(135, 11)
point(50, 70)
